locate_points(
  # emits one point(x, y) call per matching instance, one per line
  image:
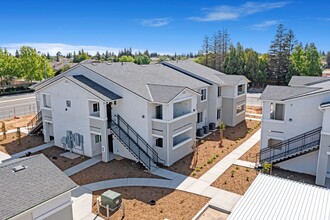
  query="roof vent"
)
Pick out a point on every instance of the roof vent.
point(19, 168)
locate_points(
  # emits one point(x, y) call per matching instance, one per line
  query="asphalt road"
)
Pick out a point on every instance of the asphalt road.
point(17, 105)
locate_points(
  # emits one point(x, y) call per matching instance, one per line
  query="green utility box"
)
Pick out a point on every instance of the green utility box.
point(111, 198)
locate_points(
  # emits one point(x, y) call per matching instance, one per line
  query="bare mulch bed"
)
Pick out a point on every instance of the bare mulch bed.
point(12, 146)
point(112, 170)
point(254, 109)
point(300, 177)
point(53, 154)
point(207, 154)
point(250, 155)
point(170, 204)
point(20, 122)
point(236, 179)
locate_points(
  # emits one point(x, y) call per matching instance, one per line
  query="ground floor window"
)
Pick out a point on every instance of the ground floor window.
point(218, 113)
point(159, 142)
point(199, 117)
point(97, 139)
point(240, 108)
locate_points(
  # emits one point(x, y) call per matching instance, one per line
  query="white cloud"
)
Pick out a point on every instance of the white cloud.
point(155, 22)
point(264, 25)
point(227, 12)
point(53, 48)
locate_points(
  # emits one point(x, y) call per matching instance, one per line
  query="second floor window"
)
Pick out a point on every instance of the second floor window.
point(159, 142)
point(97, 139)
point(277, 111)
point(218, 113)
point(159, 112)
point(96, 107)
point(203, 94)
point(219, 91)
point(240, 89)
point(199, 117)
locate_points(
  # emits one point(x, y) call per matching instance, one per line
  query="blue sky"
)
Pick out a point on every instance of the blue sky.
point(161, 26)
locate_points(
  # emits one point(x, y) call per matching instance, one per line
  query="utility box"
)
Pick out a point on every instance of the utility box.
point(111, 198)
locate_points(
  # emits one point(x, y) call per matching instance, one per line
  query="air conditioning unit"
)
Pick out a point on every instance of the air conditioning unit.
point(212, 126)
point(200, 132)
point(206, 129)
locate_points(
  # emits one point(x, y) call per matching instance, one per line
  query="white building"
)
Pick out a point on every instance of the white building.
point(147, 113)
point(33, 188)
point(295, 131)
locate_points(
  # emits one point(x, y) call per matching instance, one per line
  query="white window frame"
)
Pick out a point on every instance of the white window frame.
point(238, 113)
point(97, 140)
point(219, 109)
point(243, 87)
point(219, 91)
point(98, 107)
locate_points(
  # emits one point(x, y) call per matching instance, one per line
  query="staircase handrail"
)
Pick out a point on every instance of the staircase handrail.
point(270, 150)
point(35, 120)
point(139, 138)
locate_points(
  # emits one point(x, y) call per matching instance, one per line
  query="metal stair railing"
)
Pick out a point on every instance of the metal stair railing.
point(292, 146)
point(139, 140)
point(131, 145)
point(34, 121)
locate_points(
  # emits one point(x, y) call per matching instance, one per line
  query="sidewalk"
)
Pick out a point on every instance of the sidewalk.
point(83, 165)
point(33, 150)
point(23, 130)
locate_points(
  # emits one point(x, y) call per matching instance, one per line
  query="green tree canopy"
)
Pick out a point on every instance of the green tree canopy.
point(126, 59)
point(141, 59)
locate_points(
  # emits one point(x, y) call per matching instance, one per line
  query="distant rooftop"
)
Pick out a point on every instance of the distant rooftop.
point(273, 198)
point(282, 93)
point(35, 181)
point(307, 80)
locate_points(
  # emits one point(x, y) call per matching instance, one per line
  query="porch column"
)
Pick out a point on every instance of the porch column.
point(105, 143)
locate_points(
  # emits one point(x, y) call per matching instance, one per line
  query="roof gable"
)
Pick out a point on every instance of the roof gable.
point(164, 93)
point(281, 93)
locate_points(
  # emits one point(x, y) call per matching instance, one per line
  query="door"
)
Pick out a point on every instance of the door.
point(109, 112)
point(110, 143)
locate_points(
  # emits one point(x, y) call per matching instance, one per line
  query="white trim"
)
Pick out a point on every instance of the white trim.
point(272, 121)
point(46, 108)
point(275, 138)
point(182, 99)
point(97, 118)
point(152, 99)
point(96, 133)
point(240, 112)
point(94, 100)
point(157, 136)
point(173, 120)
point(53, 211)
point(50, 122)
point(182, 143)
point(181, 132)
point(325, 132)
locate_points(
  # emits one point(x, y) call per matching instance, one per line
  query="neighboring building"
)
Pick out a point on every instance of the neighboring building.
point(34, 188)
point(274, 198)
point(148, 113)
point(295, 131)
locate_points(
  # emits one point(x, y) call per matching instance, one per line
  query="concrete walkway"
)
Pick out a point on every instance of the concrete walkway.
point(244, 163)
point(217, 170)
point(33, 150)
point(4, 156)
point(83, 165)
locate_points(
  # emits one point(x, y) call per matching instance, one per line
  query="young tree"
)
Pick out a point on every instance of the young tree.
point(58, 55)
point(206, 49)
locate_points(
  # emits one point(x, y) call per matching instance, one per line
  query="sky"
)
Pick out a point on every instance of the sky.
point(166, 27)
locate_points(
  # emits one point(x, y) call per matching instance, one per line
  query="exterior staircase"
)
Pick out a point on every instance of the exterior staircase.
point(135, 144)
point(35, 125)
point(291, 148)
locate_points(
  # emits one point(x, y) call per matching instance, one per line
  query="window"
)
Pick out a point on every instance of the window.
point(219, 91)
point(97, 139)
point(240, 89)
point(203, 94)
point(68, 103)
point(96, 107)
point(159, 112)
point(240, 108)
point(46, 100)
point(199, 117)
point(159, 142)
point(277, 111)
point(218, 113)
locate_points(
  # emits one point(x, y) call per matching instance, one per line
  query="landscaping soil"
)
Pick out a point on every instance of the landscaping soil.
point(112, 170)
point(11, 145)
point(254, 109)
point(53, 154)
point(251, 155)
point(170, 204)
point(236, 179)
point(207, 154)
point(19, 122)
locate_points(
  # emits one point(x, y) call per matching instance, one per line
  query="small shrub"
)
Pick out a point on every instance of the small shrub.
point(204, 165)
point(197, 169)
point(247, 170)
point(202, 141)
point(225, 183)
point(193, 174)
point(209, 161)
point(247, 179)
point(222, 151)
point(217, 155)
point(214, 157)
point(232, 173)
point(237, 168)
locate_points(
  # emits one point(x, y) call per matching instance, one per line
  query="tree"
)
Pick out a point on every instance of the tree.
point(279, 55)
point(262, 73)
point(63, 69)
point(16, 54)
point(146, 52)
point(32, 65)
point(206, 49)
point(8, 68)
point(126, 59)
point(251, 65)
point(298, 60)
point(97, 56)
point(58, 55)
point(81, 56)
point(48, 56)
point(141, 59)
point(313, 61)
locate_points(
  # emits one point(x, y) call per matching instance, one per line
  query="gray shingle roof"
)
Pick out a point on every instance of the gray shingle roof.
point(281, 93)
point(164, 93)
point(135, 77)
point(25, 189)
point(97, 87)
point(307, 80)
point(209, 75)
